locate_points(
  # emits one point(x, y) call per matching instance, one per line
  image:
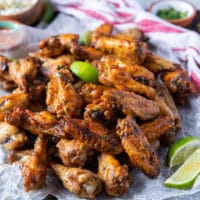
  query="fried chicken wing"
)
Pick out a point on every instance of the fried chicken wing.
point(93, 134)
point(114, 175)
point(132, 104)
point(73, 153)
point(178, 84)
point(91, 92)
point(78, 181)
point(11, 137)
point(137, 147)
point(35, 168)
point(23, 72)
point(56, 45)
point(122, 76)
point(62, 99)
point(6, 81)
point(9, 102)
point(157, 64)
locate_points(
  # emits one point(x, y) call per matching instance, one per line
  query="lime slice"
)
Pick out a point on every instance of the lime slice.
point(186, 175)
point(86, 38)
point(85, 71)
point(181, 150)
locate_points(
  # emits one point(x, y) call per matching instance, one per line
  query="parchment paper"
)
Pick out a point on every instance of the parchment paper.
point(143, 188)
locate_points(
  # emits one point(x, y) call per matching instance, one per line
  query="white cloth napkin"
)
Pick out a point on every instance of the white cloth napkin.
point(172, 42)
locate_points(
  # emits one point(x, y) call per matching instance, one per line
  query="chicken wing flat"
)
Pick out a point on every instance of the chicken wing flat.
point(178, 84)
point(23, 72)
point(56, 45)
point(9, 102)
point(6, 81)
point(73, 153)
point(137, 147)
point(93, 134)
point(35, 168)
point(114, 175)
point(62, 99)
point(11, 137)
point(91, 92)
point(117, 76)
point(157, 64)
point(132, 104)
point(78, 181)
point(59, 66)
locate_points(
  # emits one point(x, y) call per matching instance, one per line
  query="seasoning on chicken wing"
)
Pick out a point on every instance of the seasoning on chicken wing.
point(137, 147)
point(132, 104)
point(54, 67)
point(178, 84)
point(93, 134)
point(62, 99)
point(6, 81)
point(11, 137)
point(122, 76)
point(35, 167)
point(23, 72)
point(56, 45)
point(157, 64)
point(91, 92)
point(78, 181)
point(114, 175)
point(9, 102)
point(73, 153)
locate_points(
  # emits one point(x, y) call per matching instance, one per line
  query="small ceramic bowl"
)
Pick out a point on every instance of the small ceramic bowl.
point(179, 5)
point(28, 16)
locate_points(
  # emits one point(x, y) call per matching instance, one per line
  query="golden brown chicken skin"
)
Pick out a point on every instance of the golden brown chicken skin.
point(11, 137)
point(73, 153)
point(9, 102)
point(137, 147)
point(56, 45)
point(121, 75)
point(35, 167)
point(79, 181)
point(62, 99)
point(95, 135)
point(23, 72)
point(114, 175)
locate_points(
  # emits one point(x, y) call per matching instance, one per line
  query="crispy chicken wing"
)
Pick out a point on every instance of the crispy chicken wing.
point(78, 181)
point(125, 77)
point(23, 72)
point(114, 175)
point(178, 84)
point(93, 134)
point(73, 153)
point(62, 99)
point(137, 147)
point(6, 81)
point(157, 64)
point(11, 137)
point(35, 168)
point(56, 45)
point(132, 104)
point(7, 103)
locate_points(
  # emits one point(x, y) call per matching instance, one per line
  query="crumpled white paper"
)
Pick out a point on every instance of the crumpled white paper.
point(143, 188)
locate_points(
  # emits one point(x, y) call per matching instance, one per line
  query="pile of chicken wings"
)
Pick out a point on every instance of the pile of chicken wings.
point(90, 135)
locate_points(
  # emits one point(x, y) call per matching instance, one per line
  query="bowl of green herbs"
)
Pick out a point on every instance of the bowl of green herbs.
point(178, 12)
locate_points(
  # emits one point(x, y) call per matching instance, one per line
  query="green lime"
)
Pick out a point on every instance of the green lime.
point(181, 150)
point(85, 71)
point(86, 38)
point(186, 175)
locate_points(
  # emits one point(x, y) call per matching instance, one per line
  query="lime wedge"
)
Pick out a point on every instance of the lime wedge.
point(186, 175)
point(181, 150)
point(86, 38)
point(85, 71)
